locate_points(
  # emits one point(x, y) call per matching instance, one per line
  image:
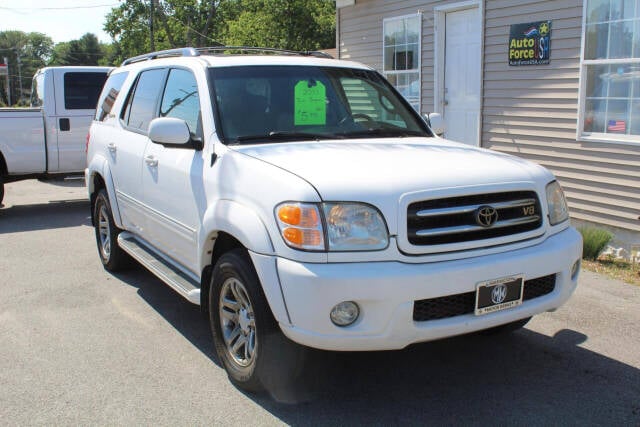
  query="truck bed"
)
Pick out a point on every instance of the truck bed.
point(22, 140)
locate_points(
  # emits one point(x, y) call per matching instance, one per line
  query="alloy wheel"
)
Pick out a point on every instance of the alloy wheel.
point(104, 232)
point(237, 321)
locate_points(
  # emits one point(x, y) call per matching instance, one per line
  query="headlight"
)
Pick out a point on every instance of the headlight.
point(354, 227)
point(558, 210)
point(349, 226)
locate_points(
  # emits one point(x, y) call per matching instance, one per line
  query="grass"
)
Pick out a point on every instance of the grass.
point(594, 240)
point(616, 269)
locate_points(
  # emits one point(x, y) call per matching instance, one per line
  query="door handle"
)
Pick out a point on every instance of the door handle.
point(151, 161)
point(112, 147)
point(65, 125)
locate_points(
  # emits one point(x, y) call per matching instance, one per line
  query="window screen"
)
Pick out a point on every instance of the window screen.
point(611, 69)
point(402, 56)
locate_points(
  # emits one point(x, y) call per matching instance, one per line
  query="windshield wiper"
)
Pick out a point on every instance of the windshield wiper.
point(384, 132)
point(285, 136)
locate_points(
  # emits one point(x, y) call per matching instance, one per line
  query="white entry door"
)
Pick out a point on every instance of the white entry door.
point(462, 76)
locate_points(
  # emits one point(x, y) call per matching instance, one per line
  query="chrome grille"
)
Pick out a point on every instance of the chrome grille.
point(455, 219)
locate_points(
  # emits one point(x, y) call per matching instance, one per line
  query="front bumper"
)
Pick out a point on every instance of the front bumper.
point(386, 291)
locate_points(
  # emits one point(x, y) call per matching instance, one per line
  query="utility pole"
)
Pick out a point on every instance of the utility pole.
point(19, 75)
point(153, 44)
point(6, 62)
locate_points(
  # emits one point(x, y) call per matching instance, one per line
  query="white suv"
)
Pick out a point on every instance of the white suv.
point(302, 202)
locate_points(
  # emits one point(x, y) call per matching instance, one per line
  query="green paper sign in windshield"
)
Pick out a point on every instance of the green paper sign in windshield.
point(310, 103)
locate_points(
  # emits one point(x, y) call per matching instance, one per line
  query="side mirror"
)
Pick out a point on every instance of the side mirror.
point(435, 122)
point(172, 132)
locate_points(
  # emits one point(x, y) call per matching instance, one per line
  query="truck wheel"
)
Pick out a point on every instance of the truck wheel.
point(112, 256)
point(506, 328)
point(249, 343)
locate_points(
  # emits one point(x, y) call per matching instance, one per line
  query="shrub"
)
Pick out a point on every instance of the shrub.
point(594, 240)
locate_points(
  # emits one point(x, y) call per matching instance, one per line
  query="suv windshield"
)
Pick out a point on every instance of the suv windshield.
point(285, 103)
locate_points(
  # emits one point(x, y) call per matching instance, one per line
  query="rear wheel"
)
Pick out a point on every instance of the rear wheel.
point(1, 189)
point(112, 256)
point(248, 341)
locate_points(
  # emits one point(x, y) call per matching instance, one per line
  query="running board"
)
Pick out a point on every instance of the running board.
point(186, 286)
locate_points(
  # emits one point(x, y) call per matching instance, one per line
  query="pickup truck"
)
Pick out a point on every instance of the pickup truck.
point(49, 138)
point(302, 202)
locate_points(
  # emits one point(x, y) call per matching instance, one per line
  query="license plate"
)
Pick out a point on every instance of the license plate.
point(498, 294)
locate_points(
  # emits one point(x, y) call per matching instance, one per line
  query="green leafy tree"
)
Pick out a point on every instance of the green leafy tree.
point(287, 24)
point(25, 52)
point(85, 51)
point(111, 54)
point(176, 23)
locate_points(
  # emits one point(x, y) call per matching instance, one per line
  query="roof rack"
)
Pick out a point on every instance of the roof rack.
point(243, 50)
point(263, 50)
point(184, 51)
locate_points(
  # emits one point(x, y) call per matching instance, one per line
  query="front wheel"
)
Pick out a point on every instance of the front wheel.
point(112, 256)
point(248, 341)
point(1, 189)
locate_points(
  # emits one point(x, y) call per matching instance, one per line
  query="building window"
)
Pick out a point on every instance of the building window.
point(401, 53)
point(611, 71)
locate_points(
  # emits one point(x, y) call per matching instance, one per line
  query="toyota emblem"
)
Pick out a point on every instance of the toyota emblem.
point(498, 294)
point(486, 216)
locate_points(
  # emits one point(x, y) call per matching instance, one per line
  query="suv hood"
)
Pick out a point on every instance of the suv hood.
point(380, 171)
point(356, 168)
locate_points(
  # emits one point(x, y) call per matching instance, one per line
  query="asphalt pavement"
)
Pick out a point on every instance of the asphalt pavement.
point(81, 346)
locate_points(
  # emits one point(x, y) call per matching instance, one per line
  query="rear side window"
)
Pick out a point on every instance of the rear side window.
point(143, 104)
point(81, 90)
point(109, 94)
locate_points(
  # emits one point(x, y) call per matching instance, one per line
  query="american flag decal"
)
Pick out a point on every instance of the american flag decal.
point(616, 126)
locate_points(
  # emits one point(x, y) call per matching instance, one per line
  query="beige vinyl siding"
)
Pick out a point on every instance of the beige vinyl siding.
point(532, 112)
point(360, 37)
point(528, 111)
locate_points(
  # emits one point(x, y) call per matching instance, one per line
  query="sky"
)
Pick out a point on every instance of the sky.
point(62, 20)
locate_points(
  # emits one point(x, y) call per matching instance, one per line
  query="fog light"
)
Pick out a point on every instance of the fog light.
point(575, 269)
point(345, 313)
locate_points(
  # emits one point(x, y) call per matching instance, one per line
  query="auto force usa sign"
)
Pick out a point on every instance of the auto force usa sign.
point(530, 44)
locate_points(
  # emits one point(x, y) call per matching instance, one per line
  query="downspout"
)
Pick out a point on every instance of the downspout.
point(338, 32)
point(483, 23)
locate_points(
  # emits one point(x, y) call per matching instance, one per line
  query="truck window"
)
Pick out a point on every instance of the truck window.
point(181, 100)
point(142, 105)
point(81, 90)
point(37, 91)
point(109, 94)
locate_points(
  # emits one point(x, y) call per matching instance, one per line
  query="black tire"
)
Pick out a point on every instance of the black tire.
point(112, 256)
point(507, 328)
point(1, 189)
point(249, 343)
